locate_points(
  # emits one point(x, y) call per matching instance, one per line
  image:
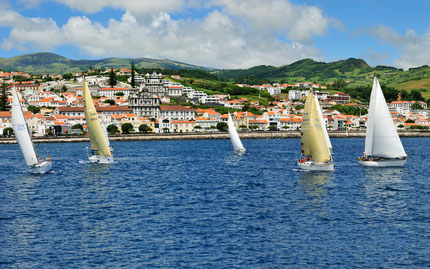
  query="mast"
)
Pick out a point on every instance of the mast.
point(97, 137)
point(21, 132)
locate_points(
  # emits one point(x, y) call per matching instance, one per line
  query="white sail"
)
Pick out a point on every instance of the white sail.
point(382, 139)
point(323, 124)
point(20, 130)
point(234, 137)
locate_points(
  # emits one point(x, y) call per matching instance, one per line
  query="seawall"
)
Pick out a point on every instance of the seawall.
point(200, 136)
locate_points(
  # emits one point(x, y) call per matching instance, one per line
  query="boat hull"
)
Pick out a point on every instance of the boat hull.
point(42, 168)
point(100, 159)
point(312, 166)
point(384, 163)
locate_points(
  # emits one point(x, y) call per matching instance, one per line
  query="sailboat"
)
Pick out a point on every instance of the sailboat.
point(23, 138)
point(316, 144)
point(100, 151)
point(383, 147)
point(234, 137)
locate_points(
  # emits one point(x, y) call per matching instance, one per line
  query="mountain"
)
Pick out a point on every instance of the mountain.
point(306, 69)
point(45, 62)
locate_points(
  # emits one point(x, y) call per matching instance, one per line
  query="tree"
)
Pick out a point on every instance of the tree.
point(127, 128)
point(198, 127)
point(222, 126)
point(143, 128)
point(409, 121)
point(78, 126)
point(112, 78)
point(112, 129)
point(416, 106)
point(119, 94)
point(339, 84)
point(64, 88)
point(243, 127)
point(68, 76)
point(3, 99)
point(132, 76)
point(109, 101)
point(273, 128)
point(8, 131)
point(33, 109)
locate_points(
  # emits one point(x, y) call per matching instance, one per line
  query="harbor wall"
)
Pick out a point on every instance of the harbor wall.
point(201, 136)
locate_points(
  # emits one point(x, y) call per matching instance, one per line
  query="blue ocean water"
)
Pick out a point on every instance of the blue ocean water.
point(194, 204)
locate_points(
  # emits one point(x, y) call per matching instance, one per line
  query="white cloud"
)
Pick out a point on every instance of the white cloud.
point(236, 34)
point(298, 22)
point(413, 48)
point(37, 33)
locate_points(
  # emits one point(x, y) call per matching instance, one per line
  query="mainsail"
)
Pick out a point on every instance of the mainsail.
point(20, 130)
point(95, 131)
point(382, 139)
point(234, 137)
point(314, 142)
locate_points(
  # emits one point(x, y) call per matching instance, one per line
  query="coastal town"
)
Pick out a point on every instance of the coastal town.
point(162, 104)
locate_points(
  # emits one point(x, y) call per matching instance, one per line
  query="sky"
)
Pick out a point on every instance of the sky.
point(221, 33)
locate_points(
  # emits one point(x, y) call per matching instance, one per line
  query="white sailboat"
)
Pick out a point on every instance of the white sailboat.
point(234, 136)
point(316, 144)
point(100, 151)
point(23, 138)
point(383, 147)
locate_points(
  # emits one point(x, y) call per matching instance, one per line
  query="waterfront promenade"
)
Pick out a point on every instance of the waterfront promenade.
point(200, 136)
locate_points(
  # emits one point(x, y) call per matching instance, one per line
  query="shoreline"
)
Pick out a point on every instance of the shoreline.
point(204, 136)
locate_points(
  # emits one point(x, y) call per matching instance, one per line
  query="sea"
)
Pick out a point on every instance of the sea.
point(196, 204)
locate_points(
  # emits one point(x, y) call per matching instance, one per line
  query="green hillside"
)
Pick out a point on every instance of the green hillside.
point(44, 62)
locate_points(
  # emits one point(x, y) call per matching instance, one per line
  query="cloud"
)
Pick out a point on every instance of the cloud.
point(297, 22)
point(413, 48)
point(230, 34)
point(38, 33)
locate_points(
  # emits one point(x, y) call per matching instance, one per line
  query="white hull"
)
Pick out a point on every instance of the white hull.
point(312, 166)
point(100, 159)
point(41, 168)
point(384, 163)
point(240, 151)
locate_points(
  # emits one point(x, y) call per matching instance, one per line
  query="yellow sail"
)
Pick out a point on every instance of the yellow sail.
point(305, 125)
point(97, 137)
point(314, 142)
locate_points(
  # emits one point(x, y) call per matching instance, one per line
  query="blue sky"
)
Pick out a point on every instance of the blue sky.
point(221, 33)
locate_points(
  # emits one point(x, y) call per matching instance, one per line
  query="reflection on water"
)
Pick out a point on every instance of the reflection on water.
point(315, 183)
point(234, 158)
point(382, 188)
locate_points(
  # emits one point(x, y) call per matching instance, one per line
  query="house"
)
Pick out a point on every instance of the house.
point(182, 126)
point(176, 113)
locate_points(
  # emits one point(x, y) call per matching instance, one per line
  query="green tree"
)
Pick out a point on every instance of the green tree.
point(119, 94)
point(68, 76)
point(143, 128)
point(78, 126)
point(33, 109)
point(112, 129)
point(8, 131)
point(3, 99)
point(64, 88)
point(409, 121)
point(339, 84)
point(109, 101)
point(127, 128)
point(273, 128)
point(416, 106)
point(132, 76)
point(112, 78)
point(222, 126)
